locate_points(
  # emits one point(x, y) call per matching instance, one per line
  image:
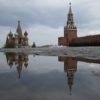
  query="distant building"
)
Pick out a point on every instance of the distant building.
point(70, 35)
point(18, 40)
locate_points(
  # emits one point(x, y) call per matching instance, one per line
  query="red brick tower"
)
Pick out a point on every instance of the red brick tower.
point(70, 30)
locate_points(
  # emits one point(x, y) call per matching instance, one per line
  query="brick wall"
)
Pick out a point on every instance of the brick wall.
point(87, 40)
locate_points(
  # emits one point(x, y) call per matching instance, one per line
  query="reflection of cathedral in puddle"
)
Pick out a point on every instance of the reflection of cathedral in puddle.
point(70, 67)
point(19, 60)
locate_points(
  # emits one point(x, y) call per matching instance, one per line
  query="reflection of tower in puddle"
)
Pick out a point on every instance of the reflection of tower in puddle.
point(19, 60)
point(70, 67)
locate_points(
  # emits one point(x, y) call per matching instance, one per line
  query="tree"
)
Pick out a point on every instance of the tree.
point(34, 45)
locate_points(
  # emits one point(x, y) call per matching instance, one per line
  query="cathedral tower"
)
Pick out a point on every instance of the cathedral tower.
point(19, 30)
point(19, 40)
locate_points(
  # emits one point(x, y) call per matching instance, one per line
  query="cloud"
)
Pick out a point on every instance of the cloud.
point(32, 12)
point(43, 35)
point(87, 16)
point(48, 12)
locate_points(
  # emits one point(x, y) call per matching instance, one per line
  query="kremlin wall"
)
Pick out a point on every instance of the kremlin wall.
point(70, 35)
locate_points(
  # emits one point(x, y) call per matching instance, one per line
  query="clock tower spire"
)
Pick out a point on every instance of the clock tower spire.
point(70, 30)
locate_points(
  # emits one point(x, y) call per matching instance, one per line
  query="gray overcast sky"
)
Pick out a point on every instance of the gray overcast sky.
point(44, 19)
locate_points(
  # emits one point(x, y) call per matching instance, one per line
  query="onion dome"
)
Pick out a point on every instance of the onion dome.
point(25, 33)
point(16, 36)
point(10, 34)
point(25, 65)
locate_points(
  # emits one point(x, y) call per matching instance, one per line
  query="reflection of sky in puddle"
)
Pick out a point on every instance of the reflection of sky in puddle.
point(48, 78)
point(42, 64)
